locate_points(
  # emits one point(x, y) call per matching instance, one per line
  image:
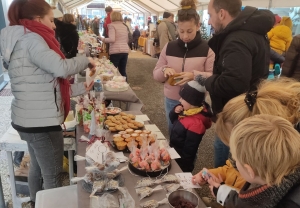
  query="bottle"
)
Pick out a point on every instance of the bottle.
point(97, 85)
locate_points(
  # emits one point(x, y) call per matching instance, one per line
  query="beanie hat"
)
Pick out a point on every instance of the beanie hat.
point(193, 93)
point(277, 19)
point(57, 13)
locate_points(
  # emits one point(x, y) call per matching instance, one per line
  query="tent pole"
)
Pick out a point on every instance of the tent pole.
point(270, 4)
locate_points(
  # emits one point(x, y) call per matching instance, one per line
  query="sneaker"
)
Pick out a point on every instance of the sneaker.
point(277, 69)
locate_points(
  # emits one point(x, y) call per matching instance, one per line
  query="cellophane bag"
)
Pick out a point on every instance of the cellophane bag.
point(105, 201)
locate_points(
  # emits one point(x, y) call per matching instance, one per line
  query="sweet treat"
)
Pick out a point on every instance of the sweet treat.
point(129, 131)
point(139, 124)
point(134, 135)
point(112, 129)
point(138, 131)
point(122, 132)
point(125, 136)
point(146, 132)
point(125, 126)
point(118, 139)
point(116, 135)
point(144, 135)
point(116, 86)
point(173, 80)
point(121, 145)
point(129, 139)
point(139, 139)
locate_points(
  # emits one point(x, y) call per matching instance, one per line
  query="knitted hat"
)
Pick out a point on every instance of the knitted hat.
point(277, 19)
point(57, 13)
point(193, 93)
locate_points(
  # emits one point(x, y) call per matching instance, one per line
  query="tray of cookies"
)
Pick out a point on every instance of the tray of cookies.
point(122, 122)
point(122, 139)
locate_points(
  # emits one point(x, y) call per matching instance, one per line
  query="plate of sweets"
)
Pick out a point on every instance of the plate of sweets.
point(113, 110)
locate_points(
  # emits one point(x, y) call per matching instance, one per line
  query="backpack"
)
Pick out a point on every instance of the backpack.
point(130, 39)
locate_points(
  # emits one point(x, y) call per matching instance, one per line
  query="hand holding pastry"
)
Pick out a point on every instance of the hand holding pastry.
point(185, 77)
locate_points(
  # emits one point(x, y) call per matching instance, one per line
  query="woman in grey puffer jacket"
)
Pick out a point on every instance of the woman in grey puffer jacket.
point(38, 72)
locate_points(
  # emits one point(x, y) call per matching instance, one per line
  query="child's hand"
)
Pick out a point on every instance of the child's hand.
point(178, 109)
point(214, 182)
point(198, 179)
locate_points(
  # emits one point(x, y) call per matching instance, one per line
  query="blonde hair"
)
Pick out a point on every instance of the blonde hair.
point(279, 97)
point(116, 16)
point(68, 18)
point(268, 144)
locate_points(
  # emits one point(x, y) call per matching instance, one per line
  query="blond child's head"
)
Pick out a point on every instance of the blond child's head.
point(279, 97)
point(266, 148)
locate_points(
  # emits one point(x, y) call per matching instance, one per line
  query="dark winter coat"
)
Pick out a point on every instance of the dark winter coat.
point(68, 38)
point(186, 136)
point(136, 34)
point(242, 56)
point(291, 66)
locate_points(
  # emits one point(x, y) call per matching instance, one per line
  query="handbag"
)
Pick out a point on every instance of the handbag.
point(130, 38)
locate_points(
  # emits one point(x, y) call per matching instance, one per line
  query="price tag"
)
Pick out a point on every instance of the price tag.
point(96, 152)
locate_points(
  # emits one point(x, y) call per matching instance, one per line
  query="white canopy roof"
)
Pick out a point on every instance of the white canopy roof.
point(156, 7)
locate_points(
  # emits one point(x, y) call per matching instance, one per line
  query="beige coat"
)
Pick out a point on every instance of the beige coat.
point(163, 34)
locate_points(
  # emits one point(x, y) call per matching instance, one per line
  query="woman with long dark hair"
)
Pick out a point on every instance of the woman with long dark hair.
point(38, 73)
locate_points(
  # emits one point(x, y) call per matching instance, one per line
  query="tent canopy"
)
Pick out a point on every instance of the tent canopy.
point(157, 7)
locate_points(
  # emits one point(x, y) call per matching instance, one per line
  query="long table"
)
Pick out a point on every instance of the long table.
point(130, 180)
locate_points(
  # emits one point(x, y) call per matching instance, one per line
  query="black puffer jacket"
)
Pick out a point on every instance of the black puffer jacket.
point(68, 37)
point(291, 66)
point(242, 56)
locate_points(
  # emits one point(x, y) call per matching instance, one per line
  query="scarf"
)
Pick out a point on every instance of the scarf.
point(49, 37)
point(269, 196)
point(191, 112)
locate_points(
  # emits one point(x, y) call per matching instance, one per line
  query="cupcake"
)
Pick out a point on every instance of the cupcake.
point(122, 132)
point(129, 139)
point(118, 139)
point(139, 139)
point(121, 145)
point(146, 132)
point(125, 136)
point(138, 131)
point(144, 135)
point(134, 135)
point(116, 135)
point(129, 131)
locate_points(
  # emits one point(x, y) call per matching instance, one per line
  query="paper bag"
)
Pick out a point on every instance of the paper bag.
point(89, 79)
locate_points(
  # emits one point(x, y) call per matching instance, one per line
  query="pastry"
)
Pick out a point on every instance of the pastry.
point(144, 135)
point(172, 79)
point(121, 145)
point(112, 129)
point(138, 138)
point(129, 131)
point(131, 116)
point(138, 131)
point(125, 126)
point(118, 139)
point(146, 132)
point(129, 139)
point(116, 135)
point(111, 124)
point(119, 128)
point(123, 114)
point(109, 117)
point(134, 135)
point(123, 121)
point(139, 124)
point(122, 132)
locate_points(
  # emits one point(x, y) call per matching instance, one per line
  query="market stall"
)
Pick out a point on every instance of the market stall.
point(130, 179)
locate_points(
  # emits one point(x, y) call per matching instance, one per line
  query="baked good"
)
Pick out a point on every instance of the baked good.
point(138, 131)
point(129, 139)
point(172, 79)
point(129, 131)
point(144, 135)
point(146, 132)
point(116, 135)
point(121, 145)
point(112, 129)
point(134, 135)
point(125, 135)
point(122, 132)
point(118, 139)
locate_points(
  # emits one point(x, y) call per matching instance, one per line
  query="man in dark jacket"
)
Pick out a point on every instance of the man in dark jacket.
point(242, 55)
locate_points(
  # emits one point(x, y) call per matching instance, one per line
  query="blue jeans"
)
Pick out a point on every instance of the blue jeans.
point(221, 152)
point(46, 160)
point(119, 60)
point(169, 105)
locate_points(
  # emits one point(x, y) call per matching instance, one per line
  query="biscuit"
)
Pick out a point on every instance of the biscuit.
point(112, 129)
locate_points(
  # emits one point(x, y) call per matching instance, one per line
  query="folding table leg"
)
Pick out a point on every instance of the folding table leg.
point(2, 202)
point(71, 168)
point(17, 202)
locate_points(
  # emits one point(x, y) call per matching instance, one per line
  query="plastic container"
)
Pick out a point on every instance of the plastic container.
point(64, 197)
point(98, 85)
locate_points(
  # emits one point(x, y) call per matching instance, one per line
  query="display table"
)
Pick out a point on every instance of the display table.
point(129, 97)
point(130, 180)
point(10, 142)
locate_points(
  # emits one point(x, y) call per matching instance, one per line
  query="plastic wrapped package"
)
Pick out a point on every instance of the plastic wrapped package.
point(87, 178)
point(105, 201)
point(169, 188)
point(111, 185)
point(98, 186)
point(145, 182)
point(169, 179)
point(153, 203)
point(126, 199)
point(147, 191)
